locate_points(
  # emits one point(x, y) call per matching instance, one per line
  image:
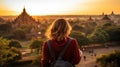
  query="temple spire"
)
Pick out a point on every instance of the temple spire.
point(112, 13)
point(105, 17)
point(90, 18)
point(24, 10)
point(103, 14)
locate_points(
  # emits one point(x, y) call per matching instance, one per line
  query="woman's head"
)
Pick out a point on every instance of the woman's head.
point(59, 30)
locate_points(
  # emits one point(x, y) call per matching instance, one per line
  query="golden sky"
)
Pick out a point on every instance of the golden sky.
point(59, 7)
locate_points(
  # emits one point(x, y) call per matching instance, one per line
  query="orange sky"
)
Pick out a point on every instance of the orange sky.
point(59, 7)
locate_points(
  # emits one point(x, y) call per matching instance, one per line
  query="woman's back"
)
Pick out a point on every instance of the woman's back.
point(58, 34)
point(72, 53)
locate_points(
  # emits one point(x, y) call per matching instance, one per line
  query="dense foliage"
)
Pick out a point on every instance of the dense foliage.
point(85, 32)
point(109, 60)
point(98, 36)
point(36, 44)
point(19, 34)
point(8, 55)
point(5, 28)
point(114, 33)
point(14, 43)
point(112, 30)
point(82, 40)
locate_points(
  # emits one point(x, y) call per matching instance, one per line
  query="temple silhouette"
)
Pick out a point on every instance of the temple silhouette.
point(112, 13)
point(106, 18)
point(25, 20)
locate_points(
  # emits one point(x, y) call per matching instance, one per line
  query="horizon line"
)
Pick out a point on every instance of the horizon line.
point(62, 15)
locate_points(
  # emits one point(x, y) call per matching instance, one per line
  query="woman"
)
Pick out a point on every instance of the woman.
point(58, 34)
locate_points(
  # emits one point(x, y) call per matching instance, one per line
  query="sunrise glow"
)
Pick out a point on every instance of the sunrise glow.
point(59, 7)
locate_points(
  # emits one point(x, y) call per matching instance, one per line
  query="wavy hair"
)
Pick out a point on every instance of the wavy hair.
point(59, 30)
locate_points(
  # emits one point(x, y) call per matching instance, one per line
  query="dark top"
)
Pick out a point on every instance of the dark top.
point(72, 53)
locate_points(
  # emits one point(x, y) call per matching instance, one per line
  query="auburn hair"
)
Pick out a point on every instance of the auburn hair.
point(59, 30)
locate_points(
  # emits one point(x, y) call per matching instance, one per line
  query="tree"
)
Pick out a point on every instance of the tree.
point(36, 44)
point(78, 28)
point(82, 40)
point(109, 60)
point(89, 27)
point(8, 55)
point(114, 33)
point(5, 28)
point(14, 43)
point(98, 36)
point(107, 24)
point(112, 30)
point(4, 43)
point(19, 34)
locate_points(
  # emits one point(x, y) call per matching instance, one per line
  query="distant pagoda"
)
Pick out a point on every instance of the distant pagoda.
point(103, 14)
point(112, 13)
point(106, 18)
point(90, 18)
point(25, 19)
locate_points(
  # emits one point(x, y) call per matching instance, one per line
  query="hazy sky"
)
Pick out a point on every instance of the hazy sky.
point(59, 7)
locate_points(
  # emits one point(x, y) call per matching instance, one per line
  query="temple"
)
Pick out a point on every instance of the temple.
point(90, 19)
point(112, 13)
point(25, 19)
point(106, 18)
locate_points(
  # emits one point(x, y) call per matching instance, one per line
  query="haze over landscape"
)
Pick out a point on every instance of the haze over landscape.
point(59, 7)
point(95, 26)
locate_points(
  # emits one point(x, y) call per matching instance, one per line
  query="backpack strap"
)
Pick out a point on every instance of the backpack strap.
point(64, 49)
point(61, 53)
point(50, 49)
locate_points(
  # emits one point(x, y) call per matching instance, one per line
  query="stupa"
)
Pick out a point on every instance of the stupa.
point(106, 18)
point(112, 13)
point(103, 14)
point(90, 19)
point(25, 19)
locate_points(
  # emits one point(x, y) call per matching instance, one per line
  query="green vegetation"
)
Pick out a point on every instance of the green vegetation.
point(109, 60)
point(14, 43)
point(37, 45)
point(82, 40)
point(85, 32)
point(5, 28)
point(98, 36)
point(78, 28)
point(8, 55)
point(19, 34)
point(114, 33)
point(106, 32)
point(112, 30)
point(91, 33)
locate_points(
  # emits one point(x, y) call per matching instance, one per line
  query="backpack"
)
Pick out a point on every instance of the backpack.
point(59, 62)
